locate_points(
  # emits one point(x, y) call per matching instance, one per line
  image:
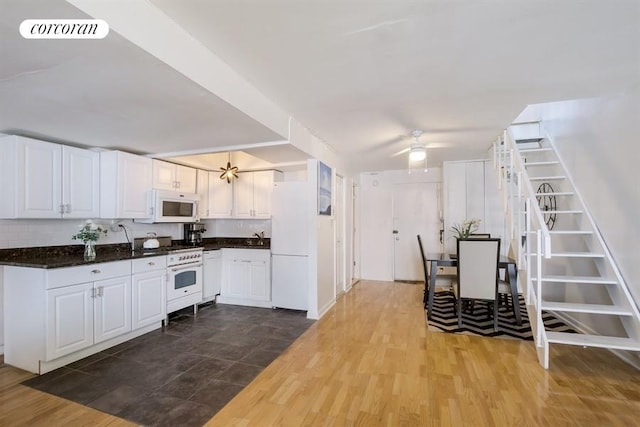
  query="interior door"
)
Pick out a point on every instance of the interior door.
point(415, 211)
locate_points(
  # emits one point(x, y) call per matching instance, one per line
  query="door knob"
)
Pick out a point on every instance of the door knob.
point(395, 231)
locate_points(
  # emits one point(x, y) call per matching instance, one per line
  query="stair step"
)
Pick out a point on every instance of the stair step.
point(562, 212)
point(547, 178)
point(529, 140)
point(575, 232)
point(593, 341)
point(586, 308)
point(577, 279)
point(549, 163)
point(573, 255)
point(557, 193)
point(535, 150)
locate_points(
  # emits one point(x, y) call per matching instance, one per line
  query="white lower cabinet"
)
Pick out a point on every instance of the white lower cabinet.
point(79, 316)
point(149, 292)
point(57, 316)
point(246, 277)
point(69, 319)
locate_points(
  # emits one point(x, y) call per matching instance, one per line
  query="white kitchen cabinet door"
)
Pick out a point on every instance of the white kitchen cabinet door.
point(202, 190)
point(235, 278)
point(220, 197)
point(39, 193)
point(262, 187)
point(259, 287)
point(112, 309)
point(69, 325)
point(243, 195)
point(211, 275)
point(172, 177)
point(125, 184)
point(246, 277)
point(80, 183)
point(45, 180)
point(164, 175)
point(186, 178)
point(148, 298)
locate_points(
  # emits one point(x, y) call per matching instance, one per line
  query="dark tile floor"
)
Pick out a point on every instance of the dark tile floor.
point(182, 374)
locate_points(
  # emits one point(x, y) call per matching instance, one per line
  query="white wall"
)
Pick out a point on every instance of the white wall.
point(236, 227)
point(321, 252)
point(376, 218)
point(598, 141)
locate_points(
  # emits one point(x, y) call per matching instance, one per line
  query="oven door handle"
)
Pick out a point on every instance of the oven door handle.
point(187, 267)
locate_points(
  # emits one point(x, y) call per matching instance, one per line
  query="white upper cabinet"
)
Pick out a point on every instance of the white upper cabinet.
point(252, 194)
point(202, 189)
point(125, 184)
point(220, 197)
point(45, 180)
point(80, 183)
point(169, 176)
point(243, 195)
point(470, 192)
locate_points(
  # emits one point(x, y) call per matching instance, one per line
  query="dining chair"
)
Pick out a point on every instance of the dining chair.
point(479, 236)
point(477, 273)
point(424, 268)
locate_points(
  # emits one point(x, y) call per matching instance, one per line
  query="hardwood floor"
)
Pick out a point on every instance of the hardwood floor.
point(370, 361)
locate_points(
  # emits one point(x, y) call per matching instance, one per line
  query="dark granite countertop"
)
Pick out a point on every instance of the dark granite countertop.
point(73, 255)
point(235, 243)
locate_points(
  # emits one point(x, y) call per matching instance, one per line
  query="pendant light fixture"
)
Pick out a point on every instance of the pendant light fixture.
point(229, 172)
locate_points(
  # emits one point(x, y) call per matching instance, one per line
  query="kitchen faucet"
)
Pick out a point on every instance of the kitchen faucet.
point(260, 237)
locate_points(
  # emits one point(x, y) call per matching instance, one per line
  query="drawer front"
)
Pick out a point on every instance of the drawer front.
point(60, 277)
point(142, 265)
point(246, 254)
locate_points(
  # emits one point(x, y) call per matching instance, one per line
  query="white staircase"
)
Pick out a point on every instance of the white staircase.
point(565, 265)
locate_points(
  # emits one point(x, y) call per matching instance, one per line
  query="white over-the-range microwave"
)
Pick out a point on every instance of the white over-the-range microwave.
point(171, 206)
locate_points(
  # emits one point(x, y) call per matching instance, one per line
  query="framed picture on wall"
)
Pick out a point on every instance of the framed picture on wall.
point(324, 189)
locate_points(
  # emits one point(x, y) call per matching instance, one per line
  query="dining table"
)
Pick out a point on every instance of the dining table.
point(438, 259)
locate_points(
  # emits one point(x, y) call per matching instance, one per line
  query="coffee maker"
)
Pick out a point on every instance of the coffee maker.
point(193, 233)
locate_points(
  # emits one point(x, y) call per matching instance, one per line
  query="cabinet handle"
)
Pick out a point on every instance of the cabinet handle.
point(61, 209)
point(93, 292)
point(96, 271)
point(187, 267)
point(68, 208)
point(151, 263)
point(100, 290)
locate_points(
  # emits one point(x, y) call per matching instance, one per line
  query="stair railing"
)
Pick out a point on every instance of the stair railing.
point(525, 220)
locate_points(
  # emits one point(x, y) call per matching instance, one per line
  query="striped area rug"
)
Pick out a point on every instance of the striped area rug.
point(480, 322)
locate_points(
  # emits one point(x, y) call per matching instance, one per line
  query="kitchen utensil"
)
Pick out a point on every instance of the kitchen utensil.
point(151, 242)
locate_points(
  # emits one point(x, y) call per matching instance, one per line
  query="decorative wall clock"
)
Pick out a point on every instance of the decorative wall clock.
point(547, 202)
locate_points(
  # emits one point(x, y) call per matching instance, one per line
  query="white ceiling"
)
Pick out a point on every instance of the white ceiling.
point(361, 75)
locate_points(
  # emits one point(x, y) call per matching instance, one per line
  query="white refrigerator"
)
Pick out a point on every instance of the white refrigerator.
point(289, 245)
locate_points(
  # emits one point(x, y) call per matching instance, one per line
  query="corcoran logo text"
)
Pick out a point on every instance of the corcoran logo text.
point(64, 29)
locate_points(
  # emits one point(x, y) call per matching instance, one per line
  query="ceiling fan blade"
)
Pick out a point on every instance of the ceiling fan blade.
point(398, 153)
point(434, 145)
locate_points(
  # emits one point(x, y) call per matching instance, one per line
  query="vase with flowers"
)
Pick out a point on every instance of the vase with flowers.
point(89, 234)
point(467, 228)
